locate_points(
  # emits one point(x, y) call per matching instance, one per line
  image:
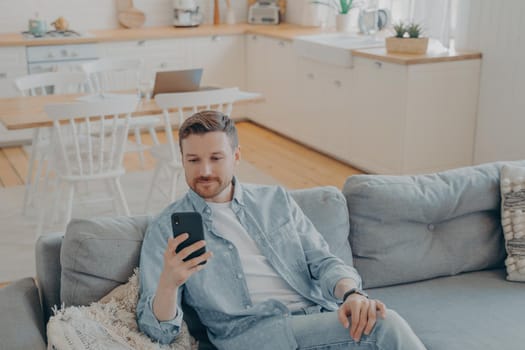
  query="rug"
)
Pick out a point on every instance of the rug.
point(17, 232)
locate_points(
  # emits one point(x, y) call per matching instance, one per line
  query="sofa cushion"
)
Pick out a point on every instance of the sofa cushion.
point(411, 228)
point(326, 208)
point(48, 271)
point(513, 220)
point(21, 321)
point(476, 310)
point(97, 255)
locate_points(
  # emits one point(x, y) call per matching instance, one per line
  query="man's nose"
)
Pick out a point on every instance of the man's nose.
point(205, 169)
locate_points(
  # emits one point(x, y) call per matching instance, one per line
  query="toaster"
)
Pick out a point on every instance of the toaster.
point(264, 12)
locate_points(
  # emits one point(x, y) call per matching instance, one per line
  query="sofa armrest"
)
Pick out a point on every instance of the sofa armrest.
point(21, 319)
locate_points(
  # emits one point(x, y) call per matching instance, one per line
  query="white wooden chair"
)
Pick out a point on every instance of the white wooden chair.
point(113, 74)
point(89, 139)
point(44, 84)
point(168, 155)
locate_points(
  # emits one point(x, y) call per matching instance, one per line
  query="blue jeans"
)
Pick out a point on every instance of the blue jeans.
point(317, 329)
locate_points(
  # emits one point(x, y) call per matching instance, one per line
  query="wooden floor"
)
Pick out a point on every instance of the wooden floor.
point(292, 164)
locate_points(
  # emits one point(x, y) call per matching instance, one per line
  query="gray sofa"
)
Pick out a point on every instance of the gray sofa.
point(429, 246)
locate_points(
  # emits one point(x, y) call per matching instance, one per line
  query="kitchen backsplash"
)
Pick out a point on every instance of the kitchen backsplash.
point(100, 14)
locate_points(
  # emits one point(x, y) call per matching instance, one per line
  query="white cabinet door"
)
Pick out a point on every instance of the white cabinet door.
point(377, 135)
point(323, 119)
point(271, 70)
point(222, 58)
point(256, 75)
point(13, 64)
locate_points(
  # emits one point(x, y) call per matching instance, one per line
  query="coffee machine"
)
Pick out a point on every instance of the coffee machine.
point(186, 13)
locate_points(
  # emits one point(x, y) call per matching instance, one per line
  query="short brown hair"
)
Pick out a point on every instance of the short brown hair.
point(209, 121)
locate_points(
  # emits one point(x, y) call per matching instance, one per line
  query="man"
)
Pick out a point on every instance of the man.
point(269, 281)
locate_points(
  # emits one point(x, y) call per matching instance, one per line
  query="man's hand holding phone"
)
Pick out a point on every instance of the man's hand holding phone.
point(184, 255)
point(177, 268)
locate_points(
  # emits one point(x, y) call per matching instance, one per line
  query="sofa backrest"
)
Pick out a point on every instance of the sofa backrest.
point(411, 228)
point(99, 254)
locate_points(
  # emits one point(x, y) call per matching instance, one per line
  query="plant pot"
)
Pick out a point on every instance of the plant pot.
point(347, 23)
point(414, 46)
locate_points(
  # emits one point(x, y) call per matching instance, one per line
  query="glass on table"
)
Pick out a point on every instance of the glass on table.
point(145, 88)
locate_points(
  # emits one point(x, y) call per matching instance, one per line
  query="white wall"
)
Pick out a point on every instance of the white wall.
point(496, 29)
point(99, 14)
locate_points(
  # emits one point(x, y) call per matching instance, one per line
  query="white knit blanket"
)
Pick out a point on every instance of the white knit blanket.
point(107, 324)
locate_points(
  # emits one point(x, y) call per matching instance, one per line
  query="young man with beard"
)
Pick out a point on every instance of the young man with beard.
point(269, 281)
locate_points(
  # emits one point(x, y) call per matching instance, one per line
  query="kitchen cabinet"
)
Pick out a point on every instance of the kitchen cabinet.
point(413, 118)
point(12, 65)
point(376, 132)
point(222, 58)
point(322, 119)
point(157, 54)
point(378, 116)
point(271, 70)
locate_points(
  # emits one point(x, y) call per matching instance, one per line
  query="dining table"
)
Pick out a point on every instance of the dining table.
point(27, 112)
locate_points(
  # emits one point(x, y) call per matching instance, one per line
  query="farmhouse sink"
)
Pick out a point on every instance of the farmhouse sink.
point(333, 48)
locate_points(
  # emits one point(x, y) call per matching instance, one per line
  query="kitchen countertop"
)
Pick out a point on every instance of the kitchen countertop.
point(283, 31)
point(407, 59)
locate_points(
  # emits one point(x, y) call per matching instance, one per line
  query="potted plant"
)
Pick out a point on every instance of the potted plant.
point(345, 18)
point(407, 39)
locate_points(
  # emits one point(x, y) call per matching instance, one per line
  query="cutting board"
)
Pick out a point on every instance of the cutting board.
point(130, 17)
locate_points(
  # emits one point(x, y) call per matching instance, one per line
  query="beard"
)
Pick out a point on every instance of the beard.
point(209, 186)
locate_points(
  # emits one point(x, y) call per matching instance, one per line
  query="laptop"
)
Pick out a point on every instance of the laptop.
point(177, 81)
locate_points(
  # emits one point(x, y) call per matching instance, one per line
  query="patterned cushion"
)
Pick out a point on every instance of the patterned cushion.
point(513, 220)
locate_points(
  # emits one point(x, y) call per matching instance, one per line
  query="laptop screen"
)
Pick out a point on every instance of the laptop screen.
point(177, 81)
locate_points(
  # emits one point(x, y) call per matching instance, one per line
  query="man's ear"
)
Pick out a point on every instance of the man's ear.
point(237, 155)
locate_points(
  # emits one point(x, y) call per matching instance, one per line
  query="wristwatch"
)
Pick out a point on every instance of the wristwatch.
point(356, 291)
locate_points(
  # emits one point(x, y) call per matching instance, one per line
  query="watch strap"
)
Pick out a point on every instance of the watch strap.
point(354, 291)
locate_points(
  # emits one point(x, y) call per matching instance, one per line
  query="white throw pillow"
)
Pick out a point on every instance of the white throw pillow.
point(107, 324)
point(512, 184)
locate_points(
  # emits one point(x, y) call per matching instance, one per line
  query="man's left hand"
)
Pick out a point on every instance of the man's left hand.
point(363, 313)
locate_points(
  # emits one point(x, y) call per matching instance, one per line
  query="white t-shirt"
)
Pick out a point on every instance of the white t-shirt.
point(261, 278)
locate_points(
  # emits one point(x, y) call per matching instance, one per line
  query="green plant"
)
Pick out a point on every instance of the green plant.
point(400, 30)
point(410, 30)
point(341, 6)
point(414, 30)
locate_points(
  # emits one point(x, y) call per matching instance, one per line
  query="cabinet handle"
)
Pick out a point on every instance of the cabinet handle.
point(163, 65)
point(281, 43)
point(338, 83)
point(141, 42)
point(310, 76)
point(215, 38)
point(3, 75)
point(378, 64)
point(254, 37)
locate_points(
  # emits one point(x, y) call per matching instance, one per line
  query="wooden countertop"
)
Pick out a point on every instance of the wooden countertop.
point(283, 31)
point(380, 54)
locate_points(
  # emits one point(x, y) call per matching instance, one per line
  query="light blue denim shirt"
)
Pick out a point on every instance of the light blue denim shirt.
point(219, 294)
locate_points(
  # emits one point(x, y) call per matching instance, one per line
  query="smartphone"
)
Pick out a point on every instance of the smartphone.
point(190, 223)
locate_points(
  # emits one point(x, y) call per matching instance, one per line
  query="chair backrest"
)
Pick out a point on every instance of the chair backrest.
point(188, 103)
point(89, 137)
point(51, 83)
point(112, 74)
